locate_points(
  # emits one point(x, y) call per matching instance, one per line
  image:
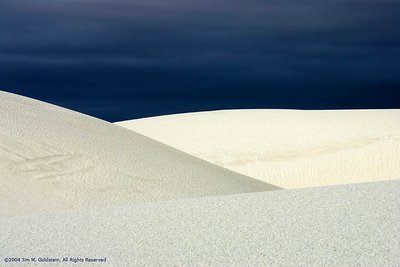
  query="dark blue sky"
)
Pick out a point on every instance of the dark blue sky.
point(123, 59)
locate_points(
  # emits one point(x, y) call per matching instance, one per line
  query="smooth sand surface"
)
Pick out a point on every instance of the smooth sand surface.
point(54, 159)
point(288, 148)
point(346, 225)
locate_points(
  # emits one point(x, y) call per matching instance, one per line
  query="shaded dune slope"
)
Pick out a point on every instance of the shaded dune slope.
point(52, 158)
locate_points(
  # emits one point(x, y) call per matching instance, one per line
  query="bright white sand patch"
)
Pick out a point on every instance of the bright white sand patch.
point(289, 148)
point(347, 225)
point(54, 159)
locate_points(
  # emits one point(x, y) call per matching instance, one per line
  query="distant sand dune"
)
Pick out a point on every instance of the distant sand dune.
point(54, 159)
point(315, 151)
point(289, 148)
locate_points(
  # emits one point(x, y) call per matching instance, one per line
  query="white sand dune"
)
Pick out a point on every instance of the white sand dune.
point(78, 187)
point(54, 159)
point(346, 225)
point(288, 148)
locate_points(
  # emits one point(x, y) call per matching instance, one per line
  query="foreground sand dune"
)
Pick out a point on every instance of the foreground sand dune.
point(288, 148)
point(346, 225)
point(53, 159)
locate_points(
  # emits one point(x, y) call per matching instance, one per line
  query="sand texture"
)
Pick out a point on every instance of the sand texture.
point(78, 187)
point(346, 225)
point(288, 148)
point(54, 159)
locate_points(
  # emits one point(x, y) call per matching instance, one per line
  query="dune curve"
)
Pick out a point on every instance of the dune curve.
point(54, 159)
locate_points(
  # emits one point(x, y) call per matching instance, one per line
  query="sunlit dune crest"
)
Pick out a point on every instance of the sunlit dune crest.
point(288, 148)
